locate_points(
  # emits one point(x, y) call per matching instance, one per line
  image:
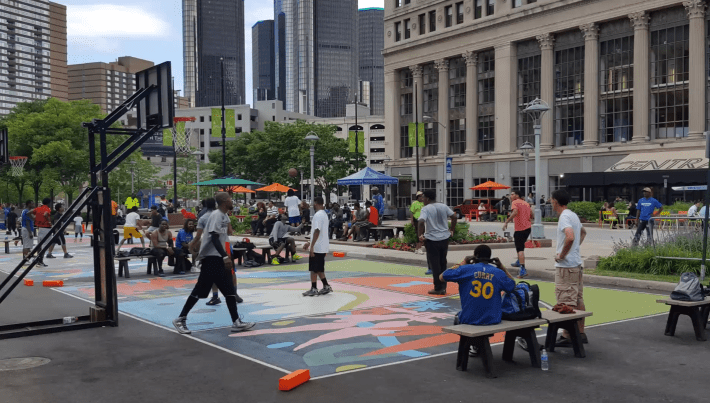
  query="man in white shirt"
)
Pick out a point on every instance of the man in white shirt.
point(130, 228)
point(318, 249)
point(291, 203)
point(569, 286)
point(693, 210)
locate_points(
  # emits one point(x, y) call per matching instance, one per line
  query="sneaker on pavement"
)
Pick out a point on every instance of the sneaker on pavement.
point(522, 343)
point(473, 351)
point(275, 261)
point(429, 272)
point(516, 264)
point(327, 289)
point(68, 256)
point(214, 301)
point(311, 293)
point(296, 257)
point(239, 326)
point(42, 264)
point(563, 342)
point(523, 273)
point(50, 256)
point(181, 325)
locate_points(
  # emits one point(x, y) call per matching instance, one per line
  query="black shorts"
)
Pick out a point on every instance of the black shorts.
point(316, 264)
point(277, 243)
point(520, 237)
point(213, 271)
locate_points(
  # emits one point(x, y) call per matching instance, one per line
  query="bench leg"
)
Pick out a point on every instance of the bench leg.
point(7, 247)
point(552, 329)
point(672, 320)
point(698, 325)
point(705, 315)
point(509, 346)
point(462, 356)
point(530, 338)
point(575, 337)
point(484, 350)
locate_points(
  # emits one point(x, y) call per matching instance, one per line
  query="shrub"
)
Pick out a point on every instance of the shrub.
point(586, 210)
point(678, 206)
point(240, 227)
point(461, 232)
point(410, 234)
point(621, 206)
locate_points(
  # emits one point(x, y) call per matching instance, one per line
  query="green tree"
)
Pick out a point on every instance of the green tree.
point(187, 174)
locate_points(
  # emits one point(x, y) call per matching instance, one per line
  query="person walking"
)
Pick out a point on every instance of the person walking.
point(216, 268)
point(61, 241)
point(291, 203)
point(646, 208)
point(433, 229)
point(318, 248)
point(28, 229)
point(79, 229)
point(12, 223)
point(43, 219)
point(569, 286)
point(521, 216)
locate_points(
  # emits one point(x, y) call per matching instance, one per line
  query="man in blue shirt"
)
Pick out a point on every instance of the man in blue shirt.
point(28, 227)
point(646, 207)
point(378, 201)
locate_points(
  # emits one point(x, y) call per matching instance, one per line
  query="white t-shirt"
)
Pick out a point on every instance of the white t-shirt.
point(202, 222)
point(131, 220)
point(568, 219)
point(692, 211)
point(218, 222)
point(320, 222)
point(291, 204)
point(78, 220)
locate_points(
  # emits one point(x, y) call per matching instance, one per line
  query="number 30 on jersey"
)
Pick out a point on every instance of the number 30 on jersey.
point(486, 290)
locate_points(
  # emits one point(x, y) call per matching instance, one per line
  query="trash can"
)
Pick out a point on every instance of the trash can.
point(401, 214)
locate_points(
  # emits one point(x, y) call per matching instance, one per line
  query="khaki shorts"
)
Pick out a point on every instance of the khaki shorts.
point(27, 240)
point(569, 287)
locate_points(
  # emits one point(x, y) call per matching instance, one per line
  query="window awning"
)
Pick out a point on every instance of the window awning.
point(661, 161)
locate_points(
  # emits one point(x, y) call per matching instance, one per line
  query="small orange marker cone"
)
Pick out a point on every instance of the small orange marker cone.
point(83, 228)
point(338, 254)
point(294, 379)
point(53, 283)
point(29, 282)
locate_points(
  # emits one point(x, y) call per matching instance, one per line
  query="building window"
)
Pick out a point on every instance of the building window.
point(405, 151)
point(407, 29)
point(454, 192)
point(406, 78)
point(397, 3)
point(428, 184)
point(431, 136)
point(397, 31)
point(239, 116)
point(478, 9)
point(202, 118)
point(459, 12)
point(616, 65)
point(430, 78)
point(457, 95)
point(163, 159)
point(569, 96)
point(519, 182)
point(669, 82)
point(457, 136)
point(528, 90)
point(449, 15)
point(486, 133)
point(556, 182)
point(431, 100)
point(477, 194)
point(406, 104)
point(491, 7)
point(432, 21)
point(486, 101)
point(422, 24)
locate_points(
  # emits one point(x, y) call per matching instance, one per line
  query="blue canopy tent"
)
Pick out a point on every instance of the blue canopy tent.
point(368, 176)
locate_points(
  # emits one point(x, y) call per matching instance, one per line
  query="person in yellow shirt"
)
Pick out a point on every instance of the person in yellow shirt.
point(416, 209)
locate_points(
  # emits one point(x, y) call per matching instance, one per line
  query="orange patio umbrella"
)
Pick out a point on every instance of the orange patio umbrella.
point(241, 189)
point(275, 187)
point(490, 185)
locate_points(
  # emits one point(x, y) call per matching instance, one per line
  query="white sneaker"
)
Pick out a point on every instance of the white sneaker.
point(239, 326)
point(181, 325)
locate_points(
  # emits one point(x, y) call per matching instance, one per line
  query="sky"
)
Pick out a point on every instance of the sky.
point(103, 30)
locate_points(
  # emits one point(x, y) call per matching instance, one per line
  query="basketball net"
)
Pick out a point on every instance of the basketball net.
point(18, 163)
point(181, 135)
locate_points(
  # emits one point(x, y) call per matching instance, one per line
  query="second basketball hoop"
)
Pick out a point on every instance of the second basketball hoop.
point(182, 132)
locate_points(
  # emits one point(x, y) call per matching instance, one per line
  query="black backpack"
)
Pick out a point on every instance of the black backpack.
point(522, 302)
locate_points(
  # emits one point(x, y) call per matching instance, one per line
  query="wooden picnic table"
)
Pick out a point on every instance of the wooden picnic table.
point(698, 311)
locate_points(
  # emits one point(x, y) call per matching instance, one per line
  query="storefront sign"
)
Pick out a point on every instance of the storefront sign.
point(661, 161)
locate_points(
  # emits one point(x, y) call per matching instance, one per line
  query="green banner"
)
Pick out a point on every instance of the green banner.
point(422, 137)
point(216, 122)
point(168, 137)
point(360, 141)
point(229, 123)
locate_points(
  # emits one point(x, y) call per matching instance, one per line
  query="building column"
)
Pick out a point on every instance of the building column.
point(591, 84)
point(506, 102)
point(696, 92)
point(639, 21)
point(471, 102)
point(547, 88)
point(443, 66)
point(418, 91)
point(392, 117)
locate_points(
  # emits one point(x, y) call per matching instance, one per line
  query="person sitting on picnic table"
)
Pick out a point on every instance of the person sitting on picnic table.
point(305, 212)
point(182, 247)
point(370, 220)
point(360, 214)
point(278, 239)
point(481, 280)
point(257, 224)
point(161, 242)
point(272, 215)
point(612, 209)
point(336, 220)
point(632, 214)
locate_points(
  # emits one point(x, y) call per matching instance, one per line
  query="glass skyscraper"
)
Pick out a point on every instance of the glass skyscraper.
point(220, 34)
point(316, 55)
point(263, 69)
point(372, 62)
point(189, 54)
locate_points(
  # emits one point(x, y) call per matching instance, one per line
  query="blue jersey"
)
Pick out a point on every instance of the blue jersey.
point(27, 221)
point(183, 237)
point(480, 285)
point(646, 207)
point(379, 203)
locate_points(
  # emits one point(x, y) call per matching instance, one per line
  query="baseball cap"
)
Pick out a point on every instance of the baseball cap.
point(647, 190)
point(420, 193)
point(375, 188)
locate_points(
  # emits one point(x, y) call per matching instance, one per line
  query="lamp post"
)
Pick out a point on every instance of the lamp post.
point(525, 151)
point(133, 164)
point(312, 138)
point(197, 155)
point(224, 129)
point(535, 109)
point(446, 155)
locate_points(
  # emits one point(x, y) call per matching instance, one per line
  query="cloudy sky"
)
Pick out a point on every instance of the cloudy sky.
point(103, 30)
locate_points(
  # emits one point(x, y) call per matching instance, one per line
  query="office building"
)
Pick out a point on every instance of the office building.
point(316, 55)
point(371, 62)
point(33, 52)
point(263, 68)
point(189, 43)
point(625, 80)
point(220, 38)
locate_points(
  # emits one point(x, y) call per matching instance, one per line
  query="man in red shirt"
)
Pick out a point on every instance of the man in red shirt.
point(521, 216)
point(43, 222)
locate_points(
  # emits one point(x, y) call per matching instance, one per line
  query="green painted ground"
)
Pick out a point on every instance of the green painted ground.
point(608, 305)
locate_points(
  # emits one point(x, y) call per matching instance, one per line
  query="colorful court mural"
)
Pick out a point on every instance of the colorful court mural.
point(379, 313)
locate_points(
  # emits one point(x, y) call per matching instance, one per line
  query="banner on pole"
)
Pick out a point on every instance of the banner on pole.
point(420, 132)
point(216, 122)
point(449, 161)
point(360, 141)
point(229, 123)
point(168, 137)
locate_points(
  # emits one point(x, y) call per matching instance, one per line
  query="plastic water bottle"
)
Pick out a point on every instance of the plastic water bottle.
point(545, 363)
point(69, 320)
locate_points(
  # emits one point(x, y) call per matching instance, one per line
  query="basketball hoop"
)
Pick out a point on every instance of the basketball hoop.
point(181, 135)
point(17, 164)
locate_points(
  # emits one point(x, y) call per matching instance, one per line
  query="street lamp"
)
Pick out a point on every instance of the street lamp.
point(535, 109)
point(525, 152)
point(197, 154)
point(446, 155)
point(133, 164)
point(312, 138)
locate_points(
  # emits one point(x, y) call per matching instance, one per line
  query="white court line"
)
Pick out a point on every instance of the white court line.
point(246, 357)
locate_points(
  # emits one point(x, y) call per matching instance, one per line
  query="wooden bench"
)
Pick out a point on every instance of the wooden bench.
point(123, 263)
point(567, 322)
point(380, 232)
point(478, 336)
point(697, 310)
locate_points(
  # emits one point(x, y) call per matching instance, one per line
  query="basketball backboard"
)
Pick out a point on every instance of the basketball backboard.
point(4, 157)
point(158, 107)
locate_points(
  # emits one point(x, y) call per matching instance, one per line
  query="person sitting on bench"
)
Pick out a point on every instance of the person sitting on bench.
point(182, 248)
point(481, 280)
point(278, 239)
point(161, 242)
point(360, 218)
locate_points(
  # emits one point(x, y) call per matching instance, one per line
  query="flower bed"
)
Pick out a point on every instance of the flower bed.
point(401, 245)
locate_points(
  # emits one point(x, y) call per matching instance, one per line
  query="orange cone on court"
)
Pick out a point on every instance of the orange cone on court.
point(53, 283)
point(29, 283)
point(294, 379)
